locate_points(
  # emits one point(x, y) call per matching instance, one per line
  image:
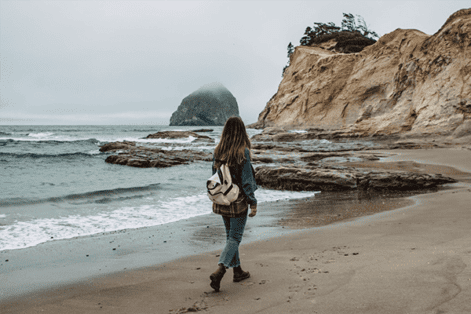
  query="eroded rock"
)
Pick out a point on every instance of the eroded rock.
point(143, 157)
point(309, 178)
point(387, 88)
point(180, 134)
point(114, 146)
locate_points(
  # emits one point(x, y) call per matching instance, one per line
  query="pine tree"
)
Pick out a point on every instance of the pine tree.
point(290, 50)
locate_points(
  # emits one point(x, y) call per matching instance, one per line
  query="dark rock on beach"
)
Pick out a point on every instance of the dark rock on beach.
point(114, 146)
point(143, 157)
point(310, 178)
point(282, 135)
point(180, 134)
point(203, 130)
point(149, 157)
point(212, 104)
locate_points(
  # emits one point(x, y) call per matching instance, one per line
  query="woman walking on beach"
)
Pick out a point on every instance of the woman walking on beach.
point(234, 150)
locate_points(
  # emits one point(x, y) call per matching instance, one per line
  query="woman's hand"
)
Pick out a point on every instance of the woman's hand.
point(253, 210)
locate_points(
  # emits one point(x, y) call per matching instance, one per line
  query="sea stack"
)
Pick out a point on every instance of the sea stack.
point(210, 105)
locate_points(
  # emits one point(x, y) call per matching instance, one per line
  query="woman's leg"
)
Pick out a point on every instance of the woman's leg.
point(234, 231)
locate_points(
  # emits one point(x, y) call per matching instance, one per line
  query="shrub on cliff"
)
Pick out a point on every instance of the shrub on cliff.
point(290, 52)
point(353, 36)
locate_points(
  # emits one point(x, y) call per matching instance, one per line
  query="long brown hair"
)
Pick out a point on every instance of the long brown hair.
point(234, 140)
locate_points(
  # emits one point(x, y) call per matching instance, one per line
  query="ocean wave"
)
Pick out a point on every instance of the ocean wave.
point(185, 140)
point(151, 130)
point(88, 197)
point(40, 134)
point(5, 133)
point(38, 156)
point(31, 233)
point(50, 141)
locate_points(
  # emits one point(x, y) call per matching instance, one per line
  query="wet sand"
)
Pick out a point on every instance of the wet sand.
point(411, 259)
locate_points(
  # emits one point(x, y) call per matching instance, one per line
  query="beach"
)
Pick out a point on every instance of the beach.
point(411, 259)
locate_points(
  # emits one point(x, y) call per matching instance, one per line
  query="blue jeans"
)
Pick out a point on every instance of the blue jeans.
point(234, 231)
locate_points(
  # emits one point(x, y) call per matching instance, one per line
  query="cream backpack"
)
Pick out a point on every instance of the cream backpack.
point(221, 190)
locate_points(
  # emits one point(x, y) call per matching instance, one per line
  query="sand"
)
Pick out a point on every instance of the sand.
point(413, 259)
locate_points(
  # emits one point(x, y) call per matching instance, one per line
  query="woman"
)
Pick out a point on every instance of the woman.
point(234, 150)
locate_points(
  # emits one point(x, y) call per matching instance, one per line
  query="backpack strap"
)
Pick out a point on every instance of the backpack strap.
point(221, 176)
point(228, 190)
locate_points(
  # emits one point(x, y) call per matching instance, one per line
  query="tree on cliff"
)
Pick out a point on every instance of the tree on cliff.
point(351, 24)
point(353, 36)
point(290, 52)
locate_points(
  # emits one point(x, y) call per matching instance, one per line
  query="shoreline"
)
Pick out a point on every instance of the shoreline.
point(33, 269)
point(194, 285)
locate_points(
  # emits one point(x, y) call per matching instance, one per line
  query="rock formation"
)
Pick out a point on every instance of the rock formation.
point(306, 178)
point(211, 104)
point(180, 134)
point(146, 157)
point(406, 83)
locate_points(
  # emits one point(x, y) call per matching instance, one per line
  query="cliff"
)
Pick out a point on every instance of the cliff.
point(211, 104)
point(407, 82)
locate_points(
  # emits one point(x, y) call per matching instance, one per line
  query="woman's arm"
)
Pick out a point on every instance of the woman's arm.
point(248, 180)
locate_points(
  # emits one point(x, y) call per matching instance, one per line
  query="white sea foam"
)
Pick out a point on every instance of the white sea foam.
point(23, 234)
point(188, 139)
point(185, 140)
point(199, 148)
point(2, 215)
point(59, 138)
point(263, 195)
point(40, 135)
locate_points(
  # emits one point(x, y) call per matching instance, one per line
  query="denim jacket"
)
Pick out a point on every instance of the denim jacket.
point(244, 176)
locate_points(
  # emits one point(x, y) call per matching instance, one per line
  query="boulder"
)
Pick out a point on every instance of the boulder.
point(180, 134)
point(203, 130)
point(114, 146)
point(143, 157)
point(211, 104)
point(309, 178)
point(463, 130)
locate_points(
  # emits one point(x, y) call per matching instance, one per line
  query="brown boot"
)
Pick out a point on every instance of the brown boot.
point(216, 277)
point(239, 274)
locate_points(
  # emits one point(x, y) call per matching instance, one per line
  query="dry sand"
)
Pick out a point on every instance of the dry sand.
point(409, 260)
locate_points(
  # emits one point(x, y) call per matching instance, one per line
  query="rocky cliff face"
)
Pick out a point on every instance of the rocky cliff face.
point(407, 82)
point(211, 104)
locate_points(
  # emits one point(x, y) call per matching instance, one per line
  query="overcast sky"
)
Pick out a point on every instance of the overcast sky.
point(132, 62)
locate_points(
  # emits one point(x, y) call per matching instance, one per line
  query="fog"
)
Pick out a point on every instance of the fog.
point(132, 62)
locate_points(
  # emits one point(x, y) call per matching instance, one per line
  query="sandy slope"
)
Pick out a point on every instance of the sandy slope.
point(409, 260)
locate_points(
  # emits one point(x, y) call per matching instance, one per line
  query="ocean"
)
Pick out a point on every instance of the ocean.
point(55, 184)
